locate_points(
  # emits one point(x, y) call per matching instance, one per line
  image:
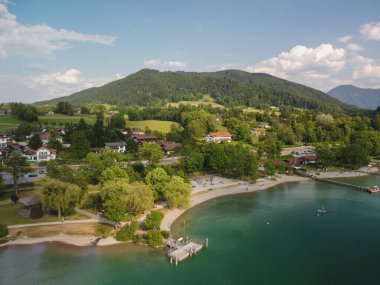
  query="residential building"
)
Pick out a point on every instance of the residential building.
point(170, 147)
point(45, 154)
point(258, 131)
point(140, 139)
point(218, 137)
point(117, 146)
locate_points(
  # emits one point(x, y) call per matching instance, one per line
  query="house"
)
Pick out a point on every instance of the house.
point(136, 133)
point(3, 113)
point(140, 139)
point(264, 125)
point(49, 113)
point(170, 147)
point(219, 137)
point(117, 146)
point(3, 142)
point(258, 131)
point(30, 202)
point(45, 154)
point(44, 136)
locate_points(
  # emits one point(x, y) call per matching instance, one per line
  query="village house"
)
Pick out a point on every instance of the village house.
point(140, 139)
point(45, 154)
point(258, 131)
point(3, 142)
point(170, 147)
point(218, 137)
point(30, 202)
point(117, 146)
point(264, 125)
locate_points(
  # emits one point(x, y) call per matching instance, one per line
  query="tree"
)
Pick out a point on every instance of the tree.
point(64, 108)
point(153, 220)
point(113, 173)
point(35, 142)
point(54, 141)
point(326, 155)
point(117, 122)
point(193, 160)
point(154, 238)
point(84, 110)
point(80, 146)
point(98, 129)
point(58, 195)
point(66, 174)
point(175, 134)
point(139, 198)
point(15, 164)
point(270, 168)
point(177, 193)
point(23, 130)
point(151, 152)
point(157, 180)
point(354, 155)
point(271, 145)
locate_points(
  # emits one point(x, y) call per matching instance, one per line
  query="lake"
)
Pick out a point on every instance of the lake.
point(269, 237)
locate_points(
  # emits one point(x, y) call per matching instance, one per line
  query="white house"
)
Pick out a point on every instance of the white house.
point(3, 142)
point(45, 154)
point(219, 137)
point(118, 146)
point(258, 131)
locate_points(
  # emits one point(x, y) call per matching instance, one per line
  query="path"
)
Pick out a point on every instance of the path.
point(98, 218)
point(6, 202)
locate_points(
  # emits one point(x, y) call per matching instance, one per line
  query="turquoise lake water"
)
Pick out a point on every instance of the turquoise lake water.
point(269, 237)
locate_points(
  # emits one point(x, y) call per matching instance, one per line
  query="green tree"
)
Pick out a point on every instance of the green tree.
point(155, 238)
point(151, 152)
point(22, 131)
point(54, 141)
point(113, 173)
point(80, 146)
point(271, 145)
point(326, 155)
point(139, 198)
point(35, 142)
point(270, 168)
point(177, 193)
point(15, 164)
point(84, 110)
point(157, 180)
point(354, 155)
point(113, 193)
point(58, 195)
point(98, 129)
point(175, 134)
point(117, 122)
point(153, 220)
point(64, 108)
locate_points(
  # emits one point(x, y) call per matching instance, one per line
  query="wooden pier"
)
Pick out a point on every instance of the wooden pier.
point(181, 250)
point(356, 187)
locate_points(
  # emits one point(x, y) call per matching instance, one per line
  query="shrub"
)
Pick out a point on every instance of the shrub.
point(165, 234)
point(69, 211)
point(134, 226)
point(3, 230)
point(36, 212)
point(154, 238)
point(138, 238)
point(125, 234)
point(153, 220)
point(103, 231)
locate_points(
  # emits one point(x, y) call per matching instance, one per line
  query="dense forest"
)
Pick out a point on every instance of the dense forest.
point(229, 88)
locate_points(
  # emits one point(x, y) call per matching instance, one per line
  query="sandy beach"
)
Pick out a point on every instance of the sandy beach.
point(212, 189)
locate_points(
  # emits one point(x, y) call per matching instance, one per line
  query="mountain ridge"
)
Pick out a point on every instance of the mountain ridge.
point(367, 98)
point(149, 87)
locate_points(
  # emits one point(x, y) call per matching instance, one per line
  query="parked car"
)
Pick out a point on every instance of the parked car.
point(32, 175)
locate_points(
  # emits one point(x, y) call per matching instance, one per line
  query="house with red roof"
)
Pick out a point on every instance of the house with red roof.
point(218, 137)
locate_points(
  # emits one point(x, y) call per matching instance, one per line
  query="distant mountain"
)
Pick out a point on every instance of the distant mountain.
point(361, 97)
point(230, 88)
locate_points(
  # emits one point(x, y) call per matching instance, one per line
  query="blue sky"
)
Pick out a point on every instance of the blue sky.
point(54, 48)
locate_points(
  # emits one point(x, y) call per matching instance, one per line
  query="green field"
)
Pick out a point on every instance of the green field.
point(62, 119)
point(10, 122)
point(155, 125)
point(207, 100)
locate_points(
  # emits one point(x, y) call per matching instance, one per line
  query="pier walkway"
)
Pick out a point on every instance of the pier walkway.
point(356, 187)
point(180, 251)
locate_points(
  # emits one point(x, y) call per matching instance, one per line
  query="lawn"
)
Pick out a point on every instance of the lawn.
point(155, 125)
point(8, 123)
point(10, 216)
point(207, 100)
point(62, 119)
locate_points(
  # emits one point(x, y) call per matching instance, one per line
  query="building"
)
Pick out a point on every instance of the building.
point(170, 147)
point(3, 142)
point(45, 154)
point(30, 202)
point(219, 137)
point(257, 131)
point(117, 146)
point(140, 139)
point(264, 125)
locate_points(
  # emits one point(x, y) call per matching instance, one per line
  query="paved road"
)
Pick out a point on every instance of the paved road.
point(53, 223)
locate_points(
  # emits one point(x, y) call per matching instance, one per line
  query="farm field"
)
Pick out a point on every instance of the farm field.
point(61, 119)
point(155, 125)
point(207, 100)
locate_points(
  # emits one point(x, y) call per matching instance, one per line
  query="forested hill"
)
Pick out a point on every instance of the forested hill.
point(230, 88)
point(360, 97)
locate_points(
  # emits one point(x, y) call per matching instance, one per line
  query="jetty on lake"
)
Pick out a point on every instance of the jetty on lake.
point(373, 189)
point(181, 249)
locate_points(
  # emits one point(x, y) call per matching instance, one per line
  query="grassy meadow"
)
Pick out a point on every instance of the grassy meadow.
point(155, 125)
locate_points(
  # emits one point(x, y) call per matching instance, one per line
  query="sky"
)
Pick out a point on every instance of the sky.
point(50, 48)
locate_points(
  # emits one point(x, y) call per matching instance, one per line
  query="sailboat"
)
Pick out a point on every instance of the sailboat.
point(322, 210)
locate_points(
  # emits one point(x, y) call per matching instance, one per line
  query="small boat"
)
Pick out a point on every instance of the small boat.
point(322, 210)
point(374, 189)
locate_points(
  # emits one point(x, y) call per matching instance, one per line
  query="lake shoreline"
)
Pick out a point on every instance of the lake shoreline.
point(198, 197)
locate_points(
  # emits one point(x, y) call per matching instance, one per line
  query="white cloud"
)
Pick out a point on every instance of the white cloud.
point(152, 62)
point(345, 39)
point(164, 63)
point(354, 47)
point(371, 31)
point(303, 64)
point(46, 86)
point(119, 76)
point(36, 40)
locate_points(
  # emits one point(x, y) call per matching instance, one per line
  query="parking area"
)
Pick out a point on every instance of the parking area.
point(299, 151)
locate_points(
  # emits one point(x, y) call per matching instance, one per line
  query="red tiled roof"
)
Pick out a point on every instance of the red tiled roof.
point(146, 137)
point(220, 134)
